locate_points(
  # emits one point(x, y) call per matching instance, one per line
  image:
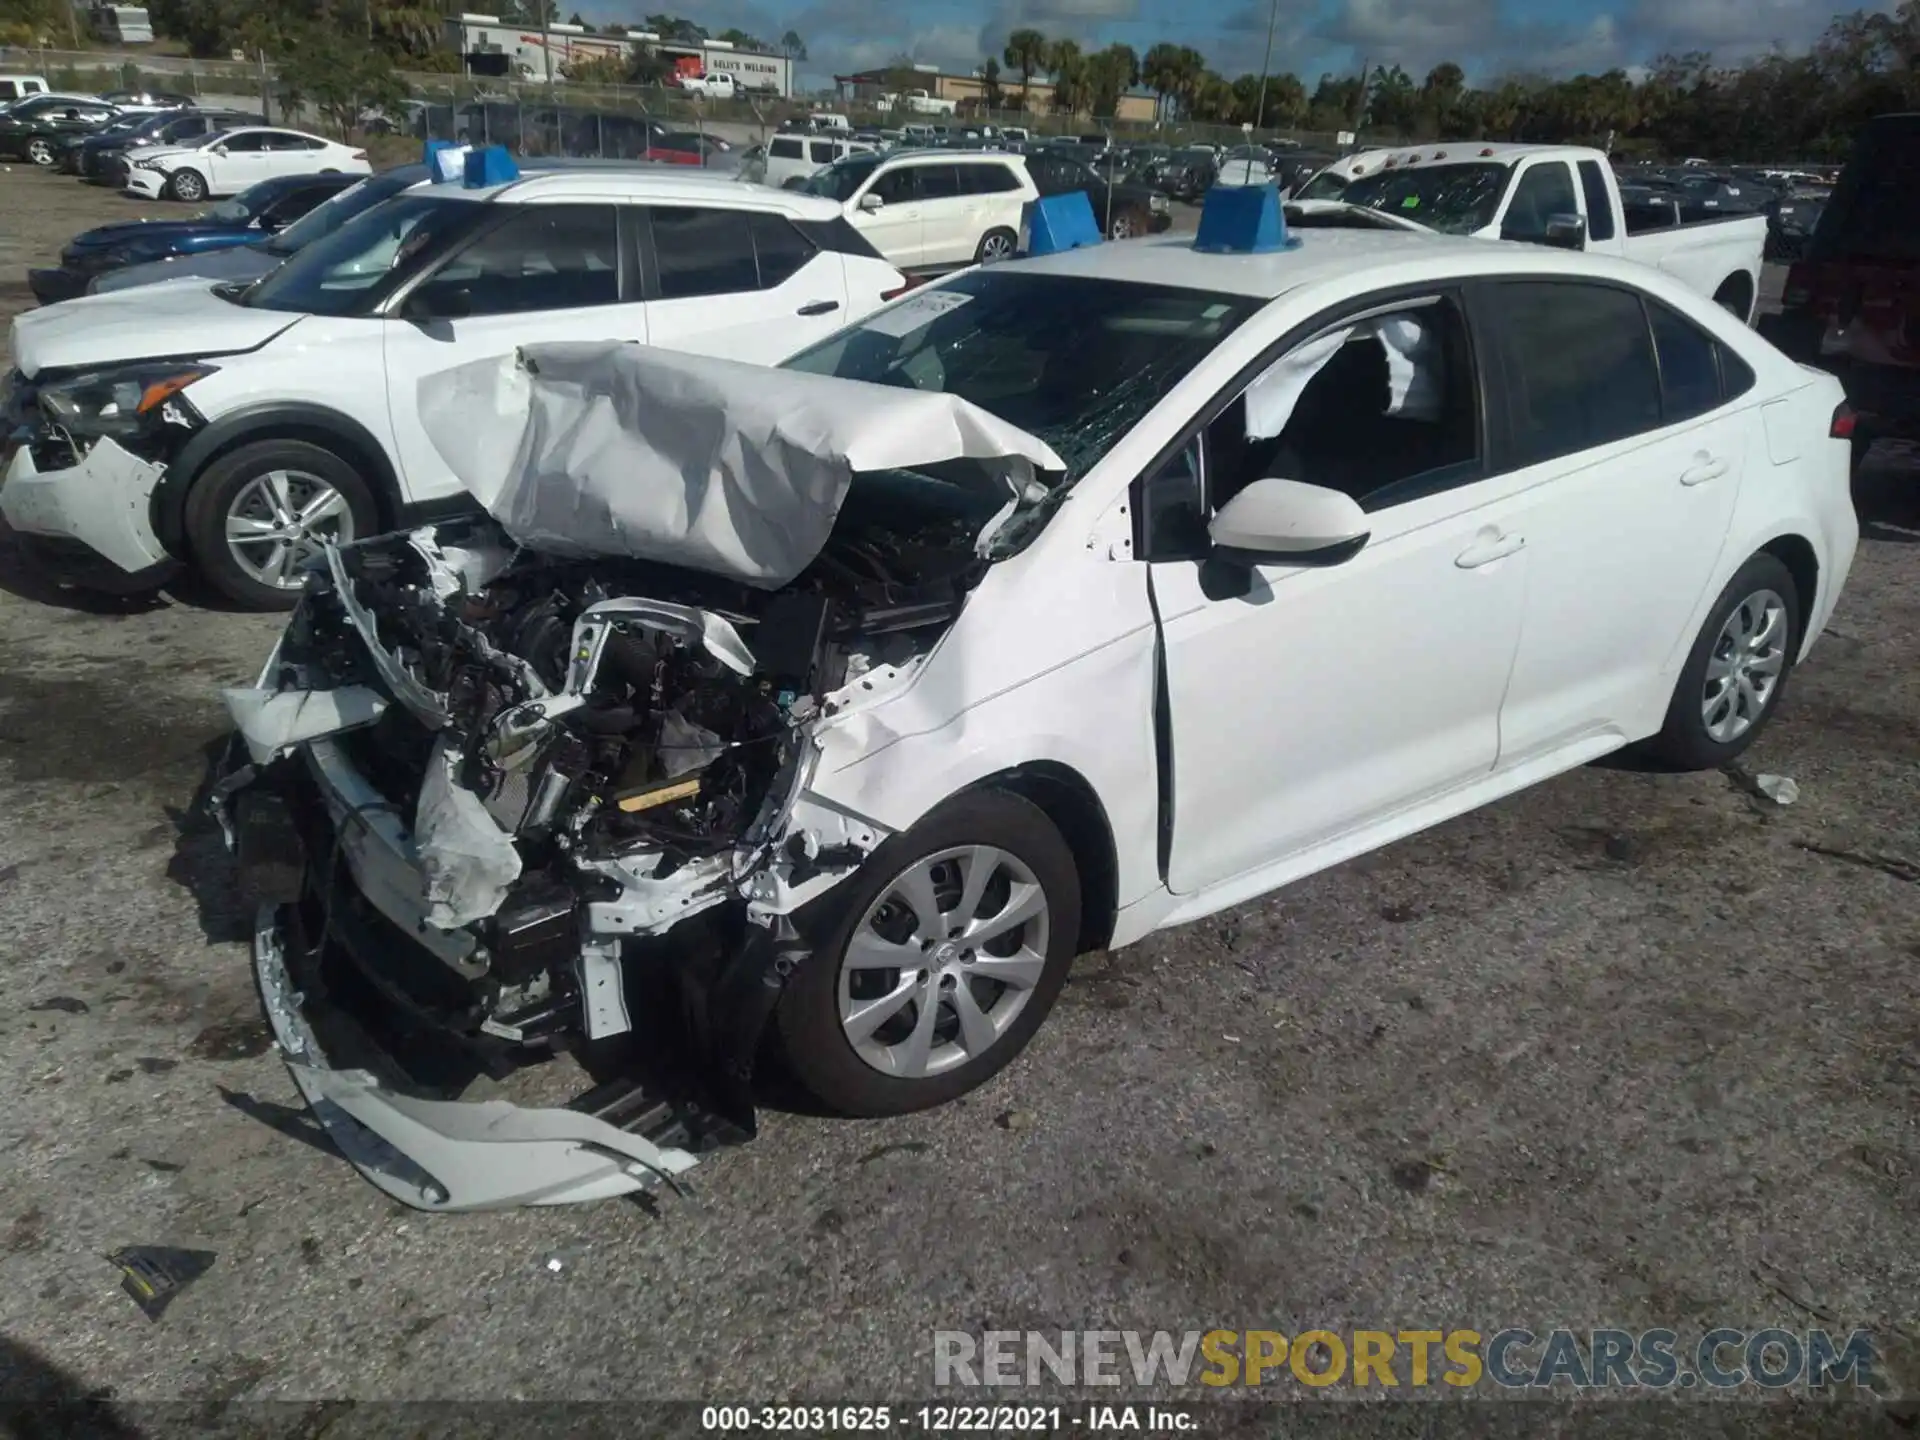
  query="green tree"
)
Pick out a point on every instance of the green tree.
point(1025, 54)
point(674, 28)
point(991, 95)
point(1161, 71)
point(792, 46)
point(1109, 74)
point(1068, 69)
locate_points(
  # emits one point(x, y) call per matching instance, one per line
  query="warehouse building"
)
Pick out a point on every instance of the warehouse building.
point(968, 92)
point(492, 46)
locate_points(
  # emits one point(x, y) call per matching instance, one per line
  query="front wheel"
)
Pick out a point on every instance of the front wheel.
point(187, 185)
point(1731, 683)
point(1126, 224)
point(995, 245)
point(257, 515)
point(941, 958)
point(40, 152)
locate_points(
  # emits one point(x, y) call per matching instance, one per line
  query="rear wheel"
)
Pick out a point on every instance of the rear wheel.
point(187, 185)
point(995, 245)
point(941, 958)
point(257, 515)
point(1731, 683)
point(1126, 224)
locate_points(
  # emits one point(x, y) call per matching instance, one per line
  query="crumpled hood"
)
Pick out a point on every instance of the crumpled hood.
point(154, 322)
point(612, 449)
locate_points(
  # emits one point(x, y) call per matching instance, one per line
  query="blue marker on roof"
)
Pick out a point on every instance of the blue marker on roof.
point(490, 166)
point(1060, 222)
point(1243, 220)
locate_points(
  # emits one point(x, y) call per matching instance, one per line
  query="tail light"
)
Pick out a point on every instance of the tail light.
point(1843, 422)
point(910, 282)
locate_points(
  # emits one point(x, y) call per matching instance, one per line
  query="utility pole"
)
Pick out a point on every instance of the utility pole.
point(1266, 60)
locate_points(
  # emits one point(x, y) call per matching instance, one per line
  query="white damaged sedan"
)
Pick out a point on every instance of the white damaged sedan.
point(834, 709)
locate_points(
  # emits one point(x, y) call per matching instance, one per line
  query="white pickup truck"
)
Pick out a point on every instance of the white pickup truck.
point(919, 102)
point(1562, 195)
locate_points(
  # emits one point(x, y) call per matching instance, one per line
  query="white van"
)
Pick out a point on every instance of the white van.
point(794, 157)
point(19, 87)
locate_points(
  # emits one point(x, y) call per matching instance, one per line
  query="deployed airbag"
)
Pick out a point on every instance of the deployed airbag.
point(604, 448)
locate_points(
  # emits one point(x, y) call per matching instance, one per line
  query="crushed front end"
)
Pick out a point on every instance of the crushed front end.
point(495, 805)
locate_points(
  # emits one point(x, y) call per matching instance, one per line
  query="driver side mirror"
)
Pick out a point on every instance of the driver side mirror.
point(1566, 232)
point(1288, 522)
point(219, 149)
point(871, 202)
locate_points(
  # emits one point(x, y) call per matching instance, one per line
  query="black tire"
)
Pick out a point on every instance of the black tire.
point(187, 186)
point(996, 245)
point(1684, 741)
point(1129, 224)
point(220, 484)
point(815, 1045)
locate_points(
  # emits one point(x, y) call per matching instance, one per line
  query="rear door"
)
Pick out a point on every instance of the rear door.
point(236, 162)
point(744, 284)
point(544, 272)
point(289, 154)
point(1623, 428)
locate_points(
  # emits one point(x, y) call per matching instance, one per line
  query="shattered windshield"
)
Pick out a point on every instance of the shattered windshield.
point(1327, 185)
point(352, 269)
point(1076, 362)
point(1453, 199)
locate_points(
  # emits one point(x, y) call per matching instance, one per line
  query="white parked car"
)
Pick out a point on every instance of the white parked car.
point(1244, 165)
point(228, 162)
point(792, 158)
point(931, 209)
point(264, 419)
point(1058, 603)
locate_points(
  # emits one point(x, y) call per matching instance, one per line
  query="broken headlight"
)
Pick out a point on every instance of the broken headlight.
point(115, 402)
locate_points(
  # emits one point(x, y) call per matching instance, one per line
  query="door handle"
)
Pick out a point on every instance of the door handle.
point(819, 307)
point(1706, 467)
point(1485, 552)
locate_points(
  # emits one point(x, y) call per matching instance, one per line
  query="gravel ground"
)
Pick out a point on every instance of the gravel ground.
point(1628, 1049)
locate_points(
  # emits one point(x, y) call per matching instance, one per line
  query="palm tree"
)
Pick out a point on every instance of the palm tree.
point(1160, 71)
point(1067, 66)
point(1026, 52)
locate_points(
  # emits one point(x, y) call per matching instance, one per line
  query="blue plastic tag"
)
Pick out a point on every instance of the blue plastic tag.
point(1243, 220)
point(1060, 222)
point(490, 166)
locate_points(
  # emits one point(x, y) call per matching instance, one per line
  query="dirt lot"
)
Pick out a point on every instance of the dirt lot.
point(1628, 1050)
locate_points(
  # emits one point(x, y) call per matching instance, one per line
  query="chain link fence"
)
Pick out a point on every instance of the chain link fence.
point(561, 118)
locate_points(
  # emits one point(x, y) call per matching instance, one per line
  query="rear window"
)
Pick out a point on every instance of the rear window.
point(1875, 210)
point(784, 149)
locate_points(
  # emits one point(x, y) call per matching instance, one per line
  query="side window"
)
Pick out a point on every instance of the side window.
point(1384, 409)
point(544, 257)
point(988, 179)
point(1593, 185)
point(939, 182)
point(784, 149)
point(781, 250)
point(1544, 191)
point(703, 252)
point(248, 142)
point(898, 186)
point(1578, 366)
point(1689, 366)
point(820, 151)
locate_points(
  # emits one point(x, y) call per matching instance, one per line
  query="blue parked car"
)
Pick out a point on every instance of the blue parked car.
point(252, 215)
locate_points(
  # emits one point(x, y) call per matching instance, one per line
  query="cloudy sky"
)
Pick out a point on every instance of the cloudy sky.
point(1311, 36)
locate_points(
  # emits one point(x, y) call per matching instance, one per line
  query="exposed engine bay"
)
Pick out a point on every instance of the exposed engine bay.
point(538, 780)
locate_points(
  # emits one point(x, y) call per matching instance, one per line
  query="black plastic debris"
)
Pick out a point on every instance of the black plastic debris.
point(154, 1274)
point(66, 1004)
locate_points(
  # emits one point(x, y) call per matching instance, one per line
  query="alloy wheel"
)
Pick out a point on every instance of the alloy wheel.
point(1121, 228)
point(995, 247)
point(944, 961)
point(282, 519)
point(40, 152)
point(1744, 670)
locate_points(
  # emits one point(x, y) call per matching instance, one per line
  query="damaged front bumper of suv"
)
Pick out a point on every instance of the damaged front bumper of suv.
point(497, 799)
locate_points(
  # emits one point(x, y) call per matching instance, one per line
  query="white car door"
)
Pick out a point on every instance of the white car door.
point(889, 212)
point(950, 215)
point(289, 154)
point(1629, 442)
point(740, 283)
point(1310, 701)
point(544, 272)
point(234, 162)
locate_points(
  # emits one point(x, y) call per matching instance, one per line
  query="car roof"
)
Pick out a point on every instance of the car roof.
point(666, 183)
point(927, 157)
point(1322, 256)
